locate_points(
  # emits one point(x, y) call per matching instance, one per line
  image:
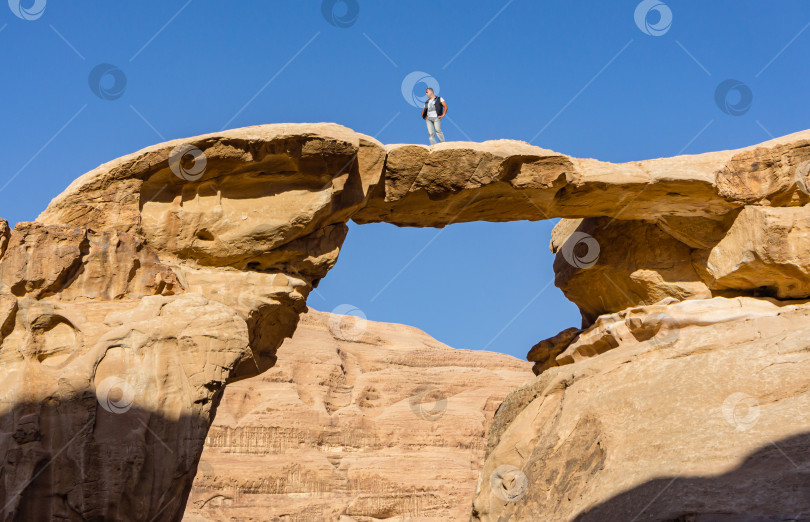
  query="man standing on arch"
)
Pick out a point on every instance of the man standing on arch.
point(435, 109)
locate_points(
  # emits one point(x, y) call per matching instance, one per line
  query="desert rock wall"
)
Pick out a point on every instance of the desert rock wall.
point(388, 424)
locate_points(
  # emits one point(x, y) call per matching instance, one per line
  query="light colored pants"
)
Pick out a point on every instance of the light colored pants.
point(434, 126)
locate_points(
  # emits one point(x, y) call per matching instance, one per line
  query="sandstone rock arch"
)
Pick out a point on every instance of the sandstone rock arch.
point(150, 245)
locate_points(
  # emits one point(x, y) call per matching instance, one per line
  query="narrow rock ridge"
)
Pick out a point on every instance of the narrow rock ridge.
point(508, 180)
point(158, 278)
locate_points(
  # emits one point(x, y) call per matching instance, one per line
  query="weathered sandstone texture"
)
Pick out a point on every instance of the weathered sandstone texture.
point(109, 374)
point(634, 233)
point(159, 278)
point(693, 410)
point(253, 216)
point(508, 180)
point(387, 423)
point(144, 288)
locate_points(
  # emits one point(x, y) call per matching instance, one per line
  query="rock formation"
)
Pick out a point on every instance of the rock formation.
point(684, 394)
point(160, 277)
point(253, 217)
point(692, 410)
point(110, 371)
point(361, 421)
point(144, 288)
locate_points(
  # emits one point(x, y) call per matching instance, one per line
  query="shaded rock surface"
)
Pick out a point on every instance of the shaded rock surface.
point(386, 424)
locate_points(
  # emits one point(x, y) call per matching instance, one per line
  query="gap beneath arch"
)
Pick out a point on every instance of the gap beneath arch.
point(469, 285)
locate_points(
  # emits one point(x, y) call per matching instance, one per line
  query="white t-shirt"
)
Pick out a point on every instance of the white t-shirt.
point(432, 107)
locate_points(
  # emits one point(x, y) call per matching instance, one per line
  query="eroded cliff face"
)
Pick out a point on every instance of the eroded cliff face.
point(159, 278)
point(145, 287)
point(253, 217)
point(684, 394)
point(109, 374)
point(360, 421)
point(692, 410)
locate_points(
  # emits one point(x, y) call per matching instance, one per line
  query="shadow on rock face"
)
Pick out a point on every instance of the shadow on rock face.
point(772, 484)
point(97, 458)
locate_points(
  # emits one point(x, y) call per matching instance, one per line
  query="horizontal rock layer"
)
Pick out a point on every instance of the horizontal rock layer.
point(652, 229)
point(508, 180)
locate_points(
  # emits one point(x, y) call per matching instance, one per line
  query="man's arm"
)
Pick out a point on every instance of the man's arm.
point(445, 110)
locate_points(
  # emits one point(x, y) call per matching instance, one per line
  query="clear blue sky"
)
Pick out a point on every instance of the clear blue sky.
point(582, 72)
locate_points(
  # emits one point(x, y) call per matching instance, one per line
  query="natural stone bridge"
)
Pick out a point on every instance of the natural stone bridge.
point(155, 280)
